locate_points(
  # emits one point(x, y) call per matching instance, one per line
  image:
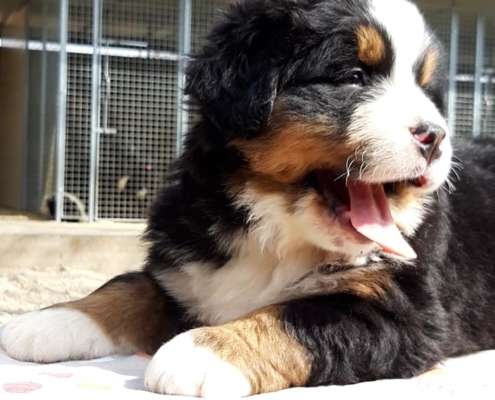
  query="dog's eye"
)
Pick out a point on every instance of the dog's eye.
point(356, 77)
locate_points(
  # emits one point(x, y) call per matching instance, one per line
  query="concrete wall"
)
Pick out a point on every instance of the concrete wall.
point(12, 67)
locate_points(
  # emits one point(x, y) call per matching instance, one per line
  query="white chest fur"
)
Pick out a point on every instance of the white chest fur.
point(243, 284)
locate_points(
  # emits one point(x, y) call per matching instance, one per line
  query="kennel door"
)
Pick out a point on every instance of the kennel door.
point(137, 104)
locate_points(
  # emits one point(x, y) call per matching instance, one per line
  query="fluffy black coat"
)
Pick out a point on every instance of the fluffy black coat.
point(253, 242)
point(441, 306)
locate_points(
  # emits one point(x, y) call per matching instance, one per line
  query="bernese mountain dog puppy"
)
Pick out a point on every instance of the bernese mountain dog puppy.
point(312, 234)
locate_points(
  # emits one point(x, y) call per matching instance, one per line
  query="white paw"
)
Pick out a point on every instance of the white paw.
point(55, 334)
point(181, 367)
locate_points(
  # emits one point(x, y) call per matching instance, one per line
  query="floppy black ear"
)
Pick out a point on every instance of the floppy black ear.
point(234, 78)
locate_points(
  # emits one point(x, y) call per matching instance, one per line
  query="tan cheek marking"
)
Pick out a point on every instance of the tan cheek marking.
point(288, 153)
point(130, 313)
point(408, 209)
point(430, 65)
point(371, 47)
point(260, 349)
point(261, 185)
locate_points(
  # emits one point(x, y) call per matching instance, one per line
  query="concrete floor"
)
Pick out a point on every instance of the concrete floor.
point(44, 262)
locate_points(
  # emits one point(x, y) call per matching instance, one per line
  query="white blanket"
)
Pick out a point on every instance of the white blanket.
point(119, 377)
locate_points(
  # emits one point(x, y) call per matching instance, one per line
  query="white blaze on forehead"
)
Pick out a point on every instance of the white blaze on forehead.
point(407, 30)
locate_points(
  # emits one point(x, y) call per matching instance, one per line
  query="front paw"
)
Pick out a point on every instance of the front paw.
point(247, 356)
point(186, 366)
point(55, 334)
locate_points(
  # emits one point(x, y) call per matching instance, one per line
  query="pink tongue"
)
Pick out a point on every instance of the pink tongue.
point(370, 216)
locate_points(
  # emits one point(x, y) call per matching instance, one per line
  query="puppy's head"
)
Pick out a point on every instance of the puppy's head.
point(336, 108)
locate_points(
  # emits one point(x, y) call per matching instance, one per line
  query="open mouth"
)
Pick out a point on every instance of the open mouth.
point(367, 207)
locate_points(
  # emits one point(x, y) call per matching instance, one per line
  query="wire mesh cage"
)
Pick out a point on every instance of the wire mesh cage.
point(138, 52)
point(466, 54)
point(475, 75)
point(471, 37)
point(78, 113)
point(138, 101)
point(488, 78)
point(136, 106)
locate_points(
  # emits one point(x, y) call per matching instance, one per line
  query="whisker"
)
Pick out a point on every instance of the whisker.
point(374, 172)
point(349, 170)
point(340, 176)
point(363, 165)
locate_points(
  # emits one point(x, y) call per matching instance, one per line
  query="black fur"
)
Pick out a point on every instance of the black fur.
point(441, 306)
point(289, 76)
point(263, 49)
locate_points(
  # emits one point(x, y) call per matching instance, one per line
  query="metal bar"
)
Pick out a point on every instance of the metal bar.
point(479, 64)
point(470, 78)
point(127, 220)
point(95, 111)
point(454, 52)
point(87, 49)
point(106, 99)
point(62, 107)
point(184, 49)
point(25, 112)
point(42, 105)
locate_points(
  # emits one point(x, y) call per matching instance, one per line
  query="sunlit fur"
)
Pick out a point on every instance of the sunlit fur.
point(251, 243)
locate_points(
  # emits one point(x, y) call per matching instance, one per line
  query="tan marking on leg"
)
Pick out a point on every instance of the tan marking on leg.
point(371, 47)
point(429, 67)
point(132, 313)
point(260, 349)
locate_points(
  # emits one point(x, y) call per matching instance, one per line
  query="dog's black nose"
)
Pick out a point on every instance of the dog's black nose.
point(428, 137)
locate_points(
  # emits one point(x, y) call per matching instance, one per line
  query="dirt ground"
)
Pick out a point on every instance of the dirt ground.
point(29, 289)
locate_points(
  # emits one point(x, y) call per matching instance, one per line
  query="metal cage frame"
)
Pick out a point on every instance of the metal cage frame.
point(469, 40)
